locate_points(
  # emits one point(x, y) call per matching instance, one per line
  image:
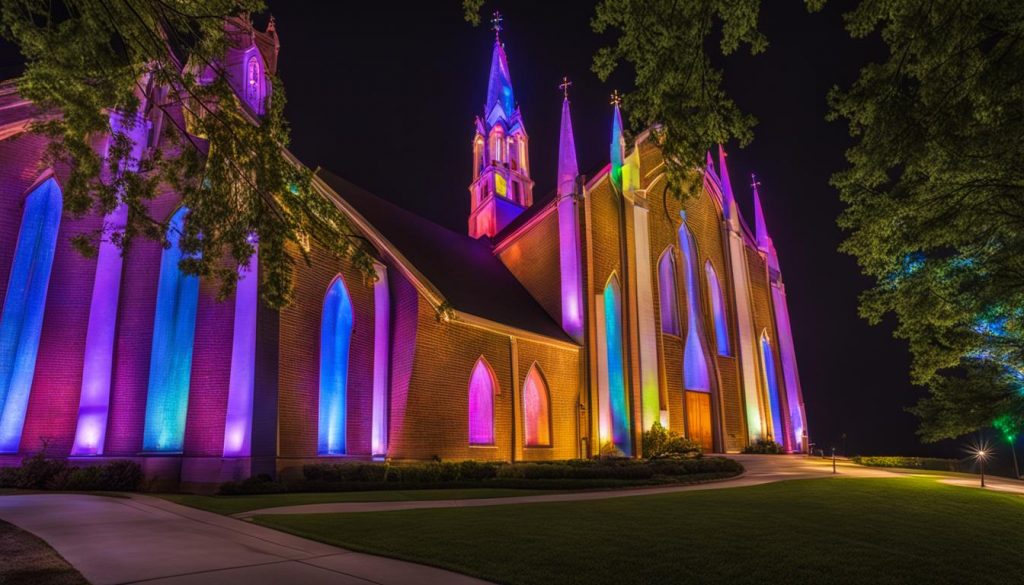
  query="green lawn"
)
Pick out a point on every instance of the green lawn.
point(28, 560)
point(900, 530)
point(236, 504)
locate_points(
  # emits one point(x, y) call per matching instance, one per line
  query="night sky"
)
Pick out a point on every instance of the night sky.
point(384, 94)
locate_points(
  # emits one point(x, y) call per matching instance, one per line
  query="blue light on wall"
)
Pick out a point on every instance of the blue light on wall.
point(21, 322)
point(695, 366)
point(170, 365)
point(335, 341)
point(718, 310)
point(616, 370)
point(772, 384)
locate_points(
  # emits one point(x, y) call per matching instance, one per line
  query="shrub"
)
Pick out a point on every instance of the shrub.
point(932, 463)
point(39, 472)
point(763, 446)
point(661, 442)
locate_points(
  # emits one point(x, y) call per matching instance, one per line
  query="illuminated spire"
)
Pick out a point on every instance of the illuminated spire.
point(567, 167)
point(760, 227)
point(728, 199)
point(618, 145)
point(499, 84)
point(709, 167)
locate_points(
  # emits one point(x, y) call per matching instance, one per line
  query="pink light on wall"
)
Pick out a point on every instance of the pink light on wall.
point(482, 388)
point(381, 362)
point(536, 411)
point(238, 421)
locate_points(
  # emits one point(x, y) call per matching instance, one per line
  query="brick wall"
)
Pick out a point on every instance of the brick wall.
point(534, 259)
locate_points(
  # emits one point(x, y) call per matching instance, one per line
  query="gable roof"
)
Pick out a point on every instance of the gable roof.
point(464, 270)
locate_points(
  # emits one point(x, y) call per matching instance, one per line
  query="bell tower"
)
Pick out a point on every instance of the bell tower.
point(501, 187)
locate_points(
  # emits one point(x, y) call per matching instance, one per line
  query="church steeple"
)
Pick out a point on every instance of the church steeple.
point(567, 167)
point(618, 144)
point(501, 187)
point(760, 227)
point(728, 198)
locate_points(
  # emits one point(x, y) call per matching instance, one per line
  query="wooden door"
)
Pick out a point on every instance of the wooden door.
point(698, 419)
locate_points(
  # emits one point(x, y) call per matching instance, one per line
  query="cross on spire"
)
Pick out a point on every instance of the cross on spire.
point(754, 183)
point(564, 86)
point(496, 24)
point(616, 98)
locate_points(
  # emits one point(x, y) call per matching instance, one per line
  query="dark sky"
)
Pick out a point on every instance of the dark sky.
point(385, 93)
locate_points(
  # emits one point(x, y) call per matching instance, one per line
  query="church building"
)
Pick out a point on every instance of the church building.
point(559, 325)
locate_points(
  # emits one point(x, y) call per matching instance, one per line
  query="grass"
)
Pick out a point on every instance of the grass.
point(28, 560)
point(834, 530)
point(236, 504)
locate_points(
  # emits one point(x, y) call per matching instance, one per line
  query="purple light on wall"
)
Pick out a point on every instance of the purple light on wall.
point(667, 302)
point(381, 361)
point(718, 310)
point(481, 404)
point(238, 421)
point(536, 412)
point(94, 404)
point(790, 374)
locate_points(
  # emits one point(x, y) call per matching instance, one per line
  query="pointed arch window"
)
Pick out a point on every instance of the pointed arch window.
point(482, 389)
point(21, 322)
point(335, 343)
point(536, 409)
point(771, 384)
point(253, 82)
point(667, 298)
point(718, 310)
point(170, 364)
point(618, 405)
point(695, 366)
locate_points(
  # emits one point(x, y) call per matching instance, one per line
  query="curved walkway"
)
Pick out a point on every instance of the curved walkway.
point(119, 540)
point(759, 469)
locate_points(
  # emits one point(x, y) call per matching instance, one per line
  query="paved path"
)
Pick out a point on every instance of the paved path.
point(145, 539)
point(759, 469)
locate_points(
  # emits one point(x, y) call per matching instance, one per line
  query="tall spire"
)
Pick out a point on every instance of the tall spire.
point(499, 83)
point(567, 167)
point(760, 227)
point(618, 145)
point(729, 200)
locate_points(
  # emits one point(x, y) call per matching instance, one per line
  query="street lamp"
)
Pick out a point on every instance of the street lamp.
point(981, 455)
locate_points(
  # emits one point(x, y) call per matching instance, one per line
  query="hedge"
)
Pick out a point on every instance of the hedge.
point(41, 473)
point(571, 474)
point(931, 463)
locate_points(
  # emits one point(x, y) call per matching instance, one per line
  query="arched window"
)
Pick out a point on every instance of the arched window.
point(482, 388)
point(695, 366)
point(21, 322)
point(170, 363)
point(718, 310)
point(335, 341)
point(253, 80)
point(771, 384)
point(617, 403)
point(667, 298)
point(536, 410)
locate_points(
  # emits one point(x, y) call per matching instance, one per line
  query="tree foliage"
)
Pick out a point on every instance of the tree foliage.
point(86, 58)
point(934, 192)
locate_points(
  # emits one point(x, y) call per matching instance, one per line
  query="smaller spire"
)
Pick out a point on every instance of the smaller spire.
point(709, 166)
point(271, 26)
point(496, 26)
point(568, 170)
point(764, 241)
point(728, 199)
point(618, 145)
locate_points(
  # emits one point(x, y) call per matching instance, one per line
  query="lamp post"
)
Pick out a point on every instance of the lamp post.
point(833, 460)
point(980, 455)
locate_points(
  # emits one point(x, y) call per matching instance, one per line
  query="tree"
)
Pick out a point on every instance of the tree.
point(934, 192)
point(86, 58)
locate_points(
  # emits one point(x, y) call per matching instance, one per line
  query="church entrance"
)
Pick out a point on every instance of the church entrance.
point(698, 419)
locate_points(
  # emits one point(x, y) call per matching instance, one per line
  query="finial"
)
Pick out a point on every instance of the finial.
point(271, 24)
point(564, 86)
point(754, 183)
point(496, 24)
point(616, 98)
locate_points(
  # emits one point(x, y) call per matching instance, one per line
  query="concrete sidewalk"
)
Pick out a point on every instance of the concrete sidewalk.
point(760, 469)
point(140, 538)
